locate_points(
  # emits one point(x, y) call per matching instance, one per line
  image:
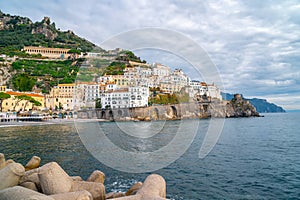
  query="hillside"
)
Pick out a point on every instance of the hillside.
point(261, 105)
point(17, 32)
point(32, 72)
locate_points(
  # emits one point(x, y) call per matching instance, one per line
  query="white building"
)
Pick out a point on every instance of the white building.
point(137, 76)
point(139, 96)
point(160, 70)
point(91, 94)
point(214, 92)
point(199, 87)
point(115, 99)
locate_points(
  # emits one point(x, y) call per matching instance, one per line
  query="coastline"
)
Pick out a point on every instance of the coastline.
point(47, 122)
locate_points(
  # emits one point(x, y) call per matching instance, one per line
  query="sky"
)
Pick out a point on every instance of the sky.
point(255, 45)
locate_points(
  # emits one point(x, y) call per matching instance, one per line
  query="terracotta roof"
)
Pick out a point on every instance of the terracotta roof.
point(47, 48)
point(27, 94)
point(66, 84)
point(86, 83)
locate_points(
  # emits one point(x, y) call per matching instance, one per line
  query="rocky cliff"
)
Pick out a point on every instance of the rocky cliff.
point(261, 105)
point(17, 32)
point(239, 107)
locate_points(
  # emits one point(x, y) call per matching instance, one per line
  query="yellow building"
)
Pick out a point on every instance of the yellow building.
point(61, 97)
point(12, 104)
point(48, 52)
point(2, 88)
point(120, 80)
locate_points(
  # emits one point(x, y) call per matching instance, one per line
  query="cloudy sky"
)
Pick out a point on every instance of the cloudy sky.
point(255, 44)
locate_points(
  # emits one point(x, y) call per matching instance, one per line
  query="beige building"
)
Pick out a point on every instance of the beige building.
point(61, 97)
point(12, 104)
point(2, 88)
point(58, 53)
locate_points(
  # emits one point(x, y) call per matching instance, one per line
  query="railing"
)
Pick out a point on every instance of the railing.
point(21, 119)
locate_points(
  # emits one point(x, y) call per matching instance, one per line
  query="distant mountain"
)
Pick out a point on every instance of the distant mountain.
point(17, 32)
point(261, 105)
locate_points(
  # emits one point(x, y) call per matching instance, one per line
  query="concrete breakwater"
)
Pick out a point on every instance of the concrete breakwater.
point(237, 107)
point(51, 182)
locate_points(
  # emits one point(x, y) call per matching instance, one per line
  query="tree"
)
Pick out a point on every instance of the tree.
point(18, 99)
point(27, 99)
point(60, 106)
point(74, 51)
point(35, 103)
point(31, 100)
point(98, 103)
point(23, 82)
point(3, 96)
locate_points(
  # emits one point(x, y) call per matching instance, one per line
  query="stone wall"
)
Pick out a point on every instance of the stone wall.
point(237, 107)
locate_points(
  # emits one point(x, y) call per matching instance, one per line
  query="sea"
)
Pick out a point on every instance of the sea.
point(253, 158)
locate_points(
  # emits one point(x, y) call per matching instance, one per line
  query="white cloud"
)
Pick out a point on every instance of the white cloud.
point(255, 44)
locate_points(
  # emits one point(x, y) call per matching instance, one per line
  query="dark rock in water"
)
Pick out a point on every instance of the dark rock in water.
point(239, 107)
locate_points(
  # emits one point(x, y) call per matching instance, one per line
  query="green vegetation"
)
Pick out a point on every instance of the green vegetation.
point(164, 99)
point(74, 51)
point(23, 82)
point(3, 96)
point(20, 31)
point(175, 98)
point(129, 56)
point(115, 68)
point(49, 74)
point(98, 103)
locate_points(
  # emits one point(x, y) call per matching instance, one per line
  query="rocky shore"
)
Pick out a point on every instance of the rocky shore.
point(51, 182)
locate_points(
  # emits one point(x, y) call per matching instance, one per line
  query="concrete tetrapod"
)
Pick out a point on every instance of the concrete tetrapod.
point(31, 176)
point(33, 163)
point(53, 179)
point(97, 190)
point(10, 175)
point(153, 188)
point(29, 185)
point(134, 189)
point(21, 193)
point(97, 176)
point(9, 161)
point(2, 161)
point(79, 195)
point(112, 195)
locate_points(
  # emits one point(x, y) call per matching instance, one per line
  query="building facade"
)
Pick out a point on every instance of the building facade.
point(57, 53)
point(13, 104)
point(115, 99)
point(2, 88)
point(61, 97)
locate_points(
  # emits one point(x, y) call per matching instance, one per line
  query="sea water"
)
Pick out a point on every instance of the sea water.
point(254, 158)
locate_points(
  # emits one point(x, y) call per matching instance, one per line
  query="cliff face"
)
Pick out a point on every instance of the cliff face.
point(17, 32)
point(239, 107)
point(261, 105)
point(8, 21)
point(45, 28)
